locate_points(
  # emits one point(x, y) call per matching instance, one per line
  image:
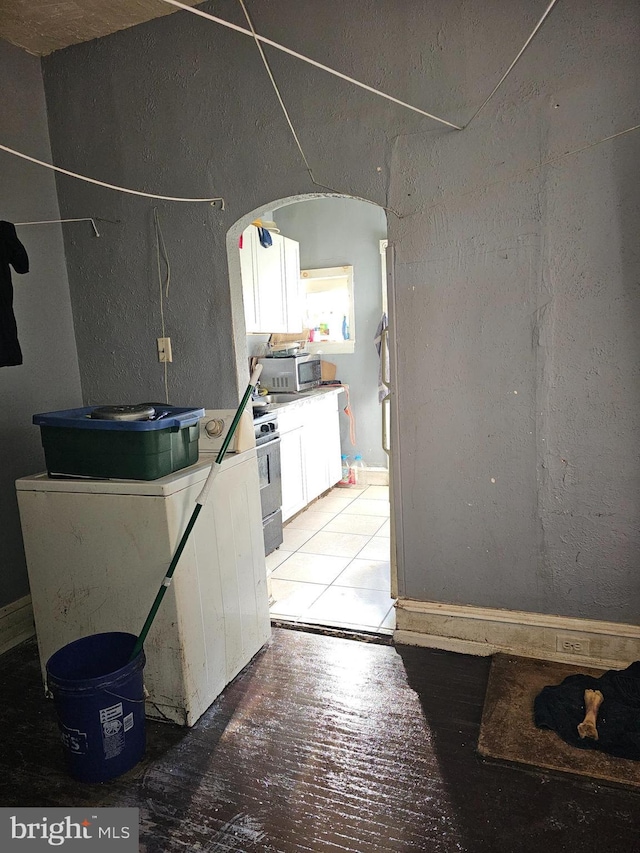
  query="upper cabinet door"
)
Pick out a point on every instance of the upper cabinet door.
point(249, 279)
point(292, 284)
point(272, 291)
point(270, 283)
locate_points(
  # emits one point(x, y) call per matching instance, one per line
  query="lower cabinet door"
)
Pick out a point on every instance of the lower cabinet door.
point(334, 459)
point(316, 469)
point(292, 451)
point(322, 439)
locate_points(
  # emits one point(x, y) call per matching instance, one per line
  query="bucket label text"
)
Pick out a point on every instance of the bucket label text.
point(112, 730)
point(107, 714)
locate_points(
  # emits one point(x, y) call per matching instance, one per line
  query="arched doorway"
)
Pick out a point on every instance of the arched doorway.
point(333, 566)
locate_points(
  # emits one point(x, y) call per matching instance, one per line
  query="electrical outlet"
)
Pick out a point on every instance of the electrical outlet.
point(164, 350)
point(573, 644)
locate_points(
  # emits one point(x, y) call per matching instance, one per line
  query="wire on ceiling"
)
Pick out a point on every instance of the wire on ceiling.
point(277, 91)
point(108, 186)
point(195, 11)
point(258, 38)
point(511, 67)
point(290, 123)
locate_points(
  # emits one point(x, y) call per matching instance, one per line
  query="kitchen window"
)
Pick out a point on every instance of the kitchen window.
point(328, 309)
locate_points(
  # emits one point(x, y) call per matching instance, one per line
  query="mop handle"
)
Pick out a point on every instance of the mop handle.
point(200, 502)
point(204, 494)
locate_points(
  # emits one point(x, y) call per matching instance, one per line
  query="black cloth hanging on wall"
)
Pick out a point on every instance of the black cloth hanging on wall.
point(12, 253)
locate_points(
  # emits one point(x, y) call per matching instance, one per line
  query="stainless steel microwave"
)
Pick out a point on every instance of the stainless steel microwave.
point(290, 373)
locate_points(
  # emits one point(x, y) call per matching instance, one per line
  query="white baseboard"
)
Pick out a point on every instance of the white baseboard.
point(485, 631)
point(16, 623)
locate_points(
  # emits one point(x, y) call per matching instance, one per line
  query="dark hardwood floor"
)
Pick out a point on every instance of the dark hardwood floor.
point(323, 744)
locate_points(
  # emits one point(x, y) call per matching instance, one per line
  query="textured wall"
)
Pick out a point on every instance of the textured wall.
point(511, 276)
point(519, 278)
point(333, 232)
point(48, 379)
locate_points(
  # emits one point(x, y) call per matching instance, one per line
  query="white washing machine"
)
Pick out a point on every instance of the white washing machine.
point(97, 552)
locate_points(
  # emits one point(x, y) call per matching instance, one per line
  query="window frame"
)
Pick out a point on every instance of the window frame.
point(328, 273)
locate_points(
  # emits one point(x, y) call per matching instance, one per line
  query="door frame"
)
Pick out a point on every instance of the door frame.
point(396, 528)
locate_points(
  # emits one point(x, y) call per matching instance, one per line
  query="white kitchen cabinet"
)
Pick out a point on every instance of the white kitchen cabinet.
point(323, 466)
point(332, 441)
point(310, 449)
point(291, 262)
point(97, 552)
point(272, 287)
point(249, 273)
point(270, 283)
point(292, 472)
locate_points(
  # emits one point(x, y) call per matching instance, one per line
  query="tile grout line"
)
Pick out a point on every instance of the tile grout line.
point(322, 529)
point(326, 587)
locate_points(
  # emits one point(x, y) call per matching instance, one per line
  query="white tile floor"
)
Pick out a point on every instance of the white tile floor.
point(333, 565)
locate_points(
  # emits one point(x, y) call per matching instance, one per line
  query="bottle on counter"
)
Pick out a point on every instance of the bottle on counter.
point(356, 471)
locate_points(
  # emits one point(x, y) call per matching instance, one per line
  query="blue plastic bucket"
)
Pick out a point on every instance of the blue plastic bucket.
point(99, 700)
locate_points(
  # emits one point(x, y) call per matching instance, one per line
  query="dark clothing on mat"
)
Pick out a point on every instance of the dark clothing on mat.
point(13, 253)
point(561, 708)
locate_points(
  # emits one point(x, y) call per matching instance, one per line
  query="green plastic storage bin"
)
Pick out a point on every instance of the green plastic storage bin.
point(76, 445)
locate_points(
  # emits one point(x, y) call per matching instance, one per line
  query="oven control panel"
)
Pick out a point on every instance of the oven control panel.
point(265, 425)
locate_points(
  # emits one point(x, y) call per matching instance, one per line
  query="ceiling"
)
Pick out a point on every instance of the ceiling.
point(42, 26)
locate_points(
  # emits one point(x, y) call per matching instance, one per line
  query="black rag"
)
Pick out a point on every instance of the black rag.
point(12, 254)
point(265, 238)
point(561, 708)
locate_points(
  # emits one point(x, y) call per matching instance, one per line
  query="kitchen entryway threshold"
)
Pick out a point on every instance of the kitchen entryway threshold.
point(374, 637)
point(332, 570)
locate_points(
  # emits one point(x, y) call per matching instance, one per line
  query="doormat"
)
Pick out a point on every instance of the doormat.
point(508, 732)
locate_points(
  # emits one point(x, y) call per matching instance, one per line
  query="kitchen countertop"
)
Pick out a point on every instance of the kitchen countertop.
point(301, 398)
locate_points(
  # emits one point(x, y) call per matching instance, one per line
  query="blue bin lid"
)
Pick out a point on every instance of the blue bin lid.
point(171, 417)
